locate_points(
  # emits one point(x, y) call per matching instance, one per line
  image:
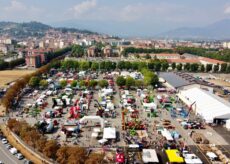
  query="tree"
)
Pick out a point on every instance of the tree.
point(179, 67)
point(84, 65)
point(34, 81)
point(120, 81)
point(187, 67)
point(158, 66)
point(95, 66)
point(63, 83)
point(74, 83)
point(77, 51)
point(223, 67)
point(82, 83)
point(129, 82)
point(43, 83)
point(92, 83)
point(139, 83)
point(50, 149)
point(147, 56)
point(95, 158)
point(202, 68)
point(228, 69)
point(194, 67)
point(173, 65)
point(150, 78)
point(208, 67)
point(165, 66)
point(121, 65)
point(216, 68)
point(62, 155)
point(103, 83)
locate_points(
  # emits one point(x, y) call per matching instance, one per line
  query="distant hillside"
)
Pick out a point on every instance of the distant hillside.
point(32, 29)
point(217, 30)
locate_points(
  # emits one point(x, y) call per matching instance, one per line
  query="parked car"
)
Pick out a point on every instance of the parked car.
point(4, 141)
point(8, 146)
point(13, 151)
point(19, 156)
point(28, 162)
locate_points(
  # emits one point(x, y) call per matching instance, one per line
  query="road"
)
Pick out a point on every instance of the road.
point(6, 157)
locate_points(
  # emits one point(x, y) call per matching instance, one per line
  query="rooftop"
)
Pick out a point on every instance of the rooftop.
point(176, 80)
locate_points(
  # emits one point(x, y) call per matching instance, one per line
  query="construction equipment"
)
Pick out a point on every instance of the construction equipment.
point(190, 108)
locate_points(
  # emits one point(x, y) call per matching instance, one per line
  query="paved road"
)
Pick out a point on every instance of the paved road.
point(6, 157)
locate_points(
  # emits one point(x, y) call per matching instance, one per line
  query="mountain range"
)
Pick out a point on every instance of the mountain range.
point(219, 30)
point(32, 29)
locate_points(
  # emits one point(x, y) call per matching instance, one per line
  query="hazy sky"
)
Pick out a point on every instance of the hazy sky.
point(140, 17)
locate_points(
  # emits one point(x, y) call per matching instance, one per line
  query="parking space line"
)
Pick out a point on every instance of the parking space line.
point(10, 158)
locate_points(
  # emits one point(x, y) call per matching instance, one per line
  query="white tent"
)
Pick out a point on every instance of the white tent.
point(207, 105)
point(149, 105)
point(228, 124)
point(109, 133)
point(149, 155)
point(166, 134)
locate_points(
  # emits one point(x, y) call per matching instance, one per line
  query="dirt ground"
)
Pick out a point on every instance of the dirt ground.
point(12, 75)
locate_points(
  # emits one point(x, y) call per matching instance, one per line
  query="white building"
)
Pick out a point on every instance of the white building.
point(210, 107)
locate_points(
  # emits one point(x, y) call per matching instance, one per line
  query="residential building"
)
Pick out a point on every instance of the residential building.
point(35, 58)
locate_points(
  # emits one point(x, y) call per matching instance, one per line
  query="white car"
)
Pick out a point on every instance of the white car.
point(4, 141)
point(19, 156)
point(13, 151)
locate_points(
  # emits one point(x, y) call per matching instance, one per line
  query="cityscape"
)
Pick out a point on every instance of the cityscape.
point(114, 82)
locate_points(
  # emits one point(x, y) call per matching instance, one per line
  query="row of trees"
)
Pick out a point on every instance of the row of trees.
point(155, 65)
point(9, 65)
point(86, 83)
point(50, 148)
point(223, 55)
point(58, 53)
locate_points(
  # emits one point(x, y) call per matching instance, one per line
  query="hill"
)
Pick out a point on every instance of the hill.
point(218, 30)
point(32, 29)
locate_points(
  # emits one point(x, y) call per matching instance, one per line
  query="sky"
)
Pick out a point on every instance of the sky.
point(118, 17)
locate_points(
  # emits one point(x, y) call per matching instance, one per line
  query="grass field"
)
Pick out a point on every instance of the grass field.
point(12, 75)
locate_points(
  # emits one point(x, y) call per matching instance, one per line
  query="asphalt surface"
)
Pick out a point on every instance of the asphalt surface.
point(6, 157)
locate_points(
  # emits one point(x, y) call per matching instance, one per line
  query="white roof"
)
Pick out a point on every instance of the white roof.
point(208, 105)
point(109, 133)
point(149, 155)
point(192, 159)
point(102, 141)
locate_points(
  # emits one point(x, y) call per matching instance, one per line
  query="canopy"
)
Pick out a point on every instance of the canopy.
point(149, 155)
point(166, 134)
point(150, 105)
point(174, 156)
point(207, 105)
point(109, 133)
point(102, 141)
point(94, 135)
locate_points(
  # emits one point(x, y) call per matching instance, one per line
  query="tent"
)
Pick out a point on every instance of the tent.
point(149, 105)
point(149, 156)
point(109, 133)
point(228, 124)
point(166, 134)
point(174, 156)
point(207, 105)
